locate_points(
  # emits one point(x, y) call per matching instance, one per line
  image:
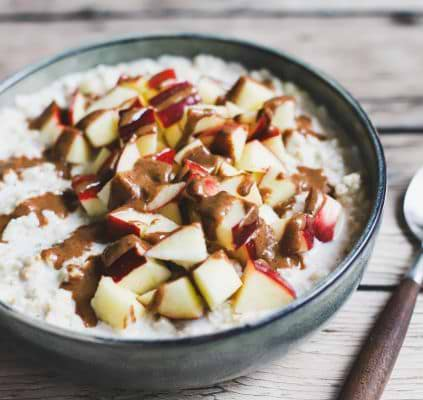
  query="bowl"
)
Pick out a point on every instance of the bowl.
point(205, 360)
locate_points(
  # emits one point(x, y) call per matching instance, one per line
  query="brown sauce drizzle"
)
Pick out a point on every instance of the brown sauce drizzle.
point(83, 286)
point(288, 262)
point(304, 127)
point(60, 204)
point(311, 178)
point(75, 245)
point(17, 164)
point(141, 183)
point(202, 156)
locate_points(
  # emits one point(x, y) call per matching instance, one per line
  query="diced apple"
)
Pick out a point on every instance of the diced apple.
point(72, 147)
point(284, 113)
point(275, 145)
point(122, 256)
point(233, 215)
point(104, 194)
point(275, 188)
point(273, 220)
point(184, 152)
point(227, 170)
point(185, 246)
point(128, 157)
point(262, 289)
point(232, 110)
point(298, 236)
point(209, 90)
point(172, 212)
point(242, 186)
point(206, 123)
point(230, 141)
point(137, 83)
point(77, 107)
point(216, 279)
point(49, 123)
point(147, 144)
point(147, 298)
point(100, 127)
point(126, 220)
point(146, 277)
point(165, 194)
point(173, 135)
point(166, 155)
point(131, 122)
point(257, 158)
point(249, 94)
point(114, 98)
point(86, 188)
point(326, 219)
point(157, 80)
point(178, 300)
point(116, 305)
point(100, 159)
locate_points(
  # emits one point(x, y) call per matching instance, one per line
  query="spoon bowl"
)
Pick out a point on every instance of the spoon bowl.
point(413, 205)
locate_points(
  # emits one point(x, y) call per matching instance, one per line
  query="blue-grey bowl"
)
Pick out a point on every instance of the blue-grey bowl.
point(208, 359)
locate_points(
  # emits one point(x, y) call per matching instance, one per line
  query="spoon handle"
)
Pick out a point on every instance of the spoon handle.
point(373, 367)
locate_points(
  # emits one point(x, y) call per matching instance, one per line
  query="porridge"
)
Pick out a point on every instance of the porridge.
point(170, 197)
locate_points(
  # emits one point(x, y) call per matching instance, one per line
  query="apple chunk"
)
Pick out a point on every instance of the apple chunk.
point(178, 300)
point(326, 219)
point(209, 90)
point(242, 186)
point(116, 305)
point(87, 188)
point(262, 289)
point(100, 127)
point(49, 123)
point(186, 246)
point(298, 236)
point(77, 107)
point(230, 141)
point(146, 277)
point(257, 158)
point(72, 147)
point(128, 157)
point(113, 98)
point(216, 279)
point(275, 188)
point(249, 94)
point(126, 220)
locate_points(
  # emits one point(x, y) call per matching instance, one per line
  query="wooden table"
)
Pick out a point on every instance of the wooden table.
point(374, 48)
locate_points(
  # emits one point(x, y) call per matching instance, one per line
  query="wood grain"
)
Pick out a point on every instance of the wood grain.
point(313, 372)
point(373, 367)
point(220, 6)
point(365, 65)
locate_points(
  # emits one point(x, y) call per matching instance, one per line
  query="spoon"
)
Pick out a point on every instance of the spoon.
point(372, 369)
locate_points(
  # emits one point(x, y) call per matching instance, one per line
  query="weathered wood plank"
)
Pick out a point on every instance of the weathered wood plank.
point(394, 249)
point(220, 6)
point(314, 371)
point(368, 65)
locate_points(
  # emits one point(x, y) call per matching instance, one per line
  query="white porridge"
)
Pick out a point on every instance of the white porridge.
point(170, 197)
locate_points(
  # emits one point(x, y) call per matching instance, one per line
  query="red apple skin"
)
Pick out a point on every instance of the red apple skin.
point(125, 264)
point(241, 234)
point(196, 170)
point(264, 268)
point(175, 112)
point(169, 92)
point(86, 186)
point(309, 232)
point(156, 80)
point(326, 219)
point(261, 125)
point(118, 227)
point(167, 156)
point(146, 117)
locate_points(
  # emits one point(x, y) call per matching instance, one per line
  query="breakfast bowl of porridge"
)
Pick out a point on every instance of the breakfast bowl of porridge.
point(178, 209)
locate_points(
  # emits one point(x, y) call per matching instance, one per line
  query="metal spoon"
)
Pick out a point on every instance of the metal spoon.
point(373, 367)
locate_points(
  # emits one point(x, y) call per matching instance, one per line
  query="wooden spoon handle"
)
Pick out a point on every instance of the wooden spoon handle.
point(373, 367)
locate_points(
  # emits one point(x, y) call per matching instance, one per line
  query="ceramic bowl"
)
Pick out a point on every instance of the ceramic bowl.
point(208, 359)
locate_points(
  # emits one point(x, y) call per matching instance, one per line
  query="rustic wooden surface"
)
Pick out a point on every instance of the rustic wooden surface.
point(374, 49)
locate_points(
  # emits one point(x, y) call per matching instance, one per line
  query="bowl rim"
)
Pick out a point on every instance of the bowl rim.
point(324, 284)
